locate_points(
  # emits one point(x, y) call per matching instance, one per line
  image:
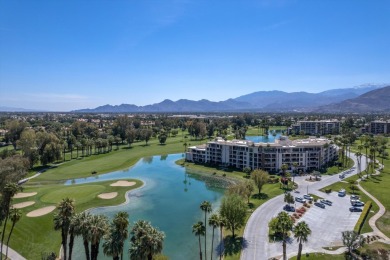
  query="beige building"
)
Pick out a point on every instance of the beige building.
point(322, 127)
point(379, 127)
point(308, 154)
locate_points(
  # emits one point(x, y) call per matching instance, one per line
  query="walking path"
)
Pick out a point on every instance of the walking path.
point(12, 254)
point(380, 213)
point(256, 242)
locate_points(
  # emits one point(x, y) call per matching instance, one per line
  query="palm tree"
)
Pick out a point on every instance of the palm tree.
point(112, 245)
point(10, 189)
point(283, 225)
point(121, 225)
point(367, 145)
point(146, 241)
point(213, 222)
point(284, 168)
point(301, 232)
point(359, 161)
point(81, 224)
point(200, 230)
point(98, 229)
point(206, 207)
point(15, 215)
point(62, 219)
point(222, 223)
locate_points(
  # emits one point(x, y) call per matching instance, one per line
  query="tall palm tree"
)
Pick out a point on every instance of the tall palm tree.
point(199, 230)
point(121, 225)
point(301, 232)
point(366, 146)
point(214, 223)
point(359, 161)
point(146, 241)
point(206, 207)
point(222, 223)
point(283, 225)
point(98, 229)
point(112, 245)
point(14, 215)
point(62, 219)
point(81, 225)
point(10, 189)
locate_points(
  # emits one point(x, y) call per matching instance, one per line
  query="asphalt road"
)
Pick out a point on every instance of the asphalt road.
point(334, 220)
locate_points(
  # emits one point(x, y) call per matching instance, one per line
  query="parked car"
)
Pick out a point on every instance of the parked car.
point(327, 202)
point(355, 209)
point(299, 199)
point(342, 193)
point(358, 203)
point(289, 208)
point(319, 204)
point(308, 197)
point(354, 197)
point(341, 176)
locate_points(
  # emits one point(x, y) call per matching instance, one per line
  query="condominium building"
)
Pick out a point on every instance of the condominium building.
point(306, 154)
point(379, 127)
point(323, 127)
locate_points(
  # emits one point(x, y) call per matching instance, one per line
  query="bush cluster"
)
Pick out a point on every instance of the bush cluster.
point(363, 216)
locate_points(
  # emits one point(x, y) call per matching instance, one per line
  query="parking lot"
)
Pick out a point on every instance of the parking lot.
point(326, 224)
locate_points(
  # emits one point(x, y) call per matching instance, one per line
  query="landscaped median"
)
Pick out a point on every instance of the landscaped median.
point(363, 217)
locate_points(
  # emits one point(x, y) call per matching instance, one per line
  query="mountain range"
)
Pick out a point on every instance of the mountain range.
point(375, 101)
point(261, 101)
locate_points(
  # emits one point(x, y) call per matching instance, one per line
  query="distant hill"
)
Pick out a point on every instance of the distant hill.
point(377, 100)
point(261, 101)
point(15, 109)
point(301, 101)
point(182, 105)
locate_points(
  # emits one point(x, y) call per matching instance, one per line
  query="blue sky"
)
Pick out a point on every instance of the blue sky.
point(64, 55)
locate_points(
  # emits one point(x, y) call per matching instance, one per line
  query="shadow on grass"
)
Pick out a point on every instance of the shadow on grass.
point(261, 196)
point(127, 148)
point(232, 245)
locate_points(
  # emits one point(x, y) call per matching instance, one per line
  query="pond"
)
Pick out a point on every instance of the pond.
point(270, 138)
point(170, 200)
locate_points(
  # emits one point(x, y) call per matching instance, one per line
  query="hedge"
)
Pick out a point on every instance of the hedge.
point(363, 216)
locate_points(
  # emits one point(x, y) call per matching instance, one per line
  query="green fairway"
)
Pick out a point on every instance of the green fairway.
point(253, 130)
point(119, 159)
point(31, 235)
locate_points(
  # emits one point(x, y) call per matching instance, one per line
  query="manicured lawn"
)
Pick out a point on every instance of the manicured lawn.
point(376, 246)
point(259, 131)
point(320, 256)
point(119, 159)
point(335, 169)
point(205, 169)
point(32, 236)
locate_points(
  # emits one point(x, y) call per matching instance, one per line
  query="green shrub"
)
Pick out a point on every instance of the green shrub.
point(328, 191)
point(363, 216)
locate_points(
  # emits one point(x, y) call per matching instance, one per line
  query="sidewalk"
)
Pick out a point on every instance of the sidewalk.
point(12, 254)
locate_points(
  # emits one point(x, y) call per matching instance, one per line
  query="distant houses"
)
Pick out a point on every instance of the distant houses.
point(305, 155)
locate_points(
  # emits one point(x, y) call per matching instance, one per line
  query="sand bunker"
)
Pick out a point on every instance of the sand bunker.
point(24, 195)
point(41, 211)
point(107, 196)
point(23, 204)
point(123, 184)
